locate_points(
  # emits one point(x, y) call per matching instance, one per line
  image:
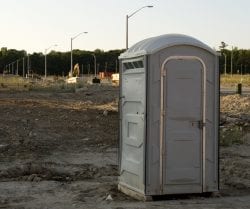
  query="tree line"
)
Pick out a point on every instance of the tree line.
point(234, 61)
point(58, 63)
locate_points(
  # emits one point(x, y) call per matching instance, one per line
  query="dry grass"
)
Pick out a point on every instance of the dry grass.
point(13, 82)
point(228, 80)
point(17, 83)
point(11, 79)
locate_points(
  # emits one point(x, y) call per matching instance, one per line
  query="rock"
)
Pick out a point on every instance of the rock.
point(105, 112)
point(4, 201)
point(88, 94)
point(109, 198)
point(4, 174)
point(223, 119)
point(31, 177)
point(93, 169)
point(246, 138)
point(245, 117)
point(3, 147)
point(98, 175)
point(24, 121)
point(224, 129)
point(232, 120)
point(77, 90)
point(246, 124)
point(240, 186)
point(31, 134)
point(37, 179)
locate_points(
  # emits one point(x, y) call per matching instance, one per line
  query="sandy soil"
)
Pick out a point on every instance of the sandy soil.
point(59, 151)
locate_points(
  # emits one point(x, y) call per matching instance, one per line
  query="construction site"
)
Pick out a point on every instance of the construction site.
point(59, 149)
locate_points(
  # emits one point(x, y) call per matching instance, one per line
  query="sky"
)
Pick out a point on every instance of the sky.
point(36, 25)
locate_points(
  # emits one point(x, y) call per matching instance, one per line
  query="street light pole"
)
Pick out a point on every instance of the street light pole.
point(222, 47)
point(71, 51)
point(17, 67)
point(71, 57)
point(127, 31)
point(28, 65)
point(12, 68)
point(94, 63)
point(45, 60)
point(128, 16)
point(23, 68)
point(225, 65)
point(232, 62)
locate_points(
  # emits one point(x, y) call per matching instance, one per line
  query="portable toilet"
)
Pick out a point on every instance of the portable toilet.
point(169, 115)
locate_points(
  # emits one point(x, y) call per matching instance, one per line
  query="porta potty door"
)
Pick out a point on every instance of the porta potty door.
point(132, 113)
point(182, 126)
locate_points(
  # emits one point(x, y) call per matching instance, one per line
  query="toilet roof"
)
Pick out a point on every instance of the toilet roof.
point(155, 44)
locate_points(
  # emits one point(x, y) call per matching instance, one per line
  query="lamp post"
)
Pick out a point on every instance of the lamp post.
point(128, 16)
point(28, 66)
point(12, 68)
point(94, 63)
point(95, 79)
point(17, 67)
point(222, 47)
point(225, 65)
point(23, 67)
point(71, 55)
point(232, 61)
point(45, 59)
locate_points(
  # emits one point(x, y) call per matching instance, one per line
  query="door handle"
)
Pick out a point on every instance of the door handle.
point(199, 123)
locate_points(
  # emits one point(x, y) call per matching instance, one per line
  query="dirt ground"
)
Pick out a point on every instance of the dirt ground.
point(58, 150)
